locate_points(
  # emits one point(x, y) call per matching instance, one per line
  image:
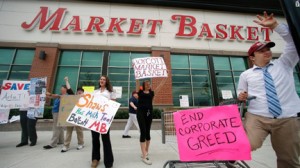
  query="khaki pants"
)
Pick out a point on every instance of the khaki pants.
point(79, 132)
point(285, 137)
point(58, 132)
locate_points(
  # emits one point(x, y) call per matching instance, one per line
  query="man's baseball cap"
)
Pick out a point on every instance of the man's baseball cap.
point(259, 45)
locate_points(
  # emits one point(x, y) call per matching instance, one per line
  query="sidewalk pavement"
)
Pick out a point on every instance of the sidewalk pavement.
point(126, 152)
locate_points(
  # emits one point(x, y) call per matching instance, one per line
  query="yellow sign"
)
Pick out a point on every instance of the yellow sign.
point(88, 89)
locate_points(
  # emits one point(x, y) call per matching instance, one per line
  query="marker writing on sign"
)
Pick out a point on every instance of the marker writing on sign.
point(77, 119)
point(88, 103)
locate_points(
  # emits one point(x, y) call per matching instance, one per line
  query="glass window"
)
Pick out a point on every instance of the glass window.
point(227, 72)
point(190, 76)
point(121, 73)
point(15, 64)
point(221, 63)
point(70, 58)
point(91, 59)
point(24, 57)
point(83, 68)
point(6, 55)
point(180, 62)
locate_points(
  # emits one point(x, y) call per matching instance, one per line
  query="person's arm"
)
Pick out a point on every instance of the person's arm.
point(137, 85)
point(242, 91)
point(69, 89)
point(289, 57)
point(133, 106)
point(52, 96)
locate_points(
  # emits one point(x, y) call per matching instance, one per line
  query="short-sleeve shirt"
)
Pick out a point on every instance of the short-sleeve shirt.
point(105, 93)
point(145, 99)
point(135, 102)
point(56, 104)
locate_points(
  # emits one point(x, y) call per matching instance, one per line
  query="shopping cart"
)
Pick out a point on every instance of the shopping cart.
point(169, 136)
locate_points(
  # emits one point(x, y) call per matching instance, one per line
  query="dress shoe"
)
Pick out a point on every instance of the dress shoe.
point(21, 144)
point(32, 144)
point(48, 147)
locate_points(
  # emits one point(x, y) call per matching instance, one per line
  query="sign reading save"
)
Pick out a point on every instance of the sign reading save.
point(149, 67)
point(214, 133)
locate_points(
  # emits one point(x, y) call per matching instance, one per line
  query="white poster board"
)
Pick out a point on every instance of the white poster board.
point(14, 94)
point(184, 101)
point(4, 114)
point(94, 112)
point(118, 91)
point(226, 94)
point(149, 67)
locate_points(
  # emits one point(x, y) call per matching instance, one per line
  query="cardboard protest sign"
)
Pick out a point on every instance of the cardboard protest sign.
point(37, 98)
point(149, 67)
point(4, 114)
point(14, 94)
point(88, 89)
point(67, 103)
point(94, 112)
point(214, 133)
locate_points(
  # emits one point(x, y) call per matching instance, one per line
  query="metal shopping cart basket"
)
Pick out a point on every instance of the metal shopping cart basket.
point(169, 136)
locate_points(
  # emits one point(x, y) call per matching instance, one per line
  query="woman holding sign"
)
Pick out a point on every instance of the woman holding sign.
point(105, 89)
point(144, 117)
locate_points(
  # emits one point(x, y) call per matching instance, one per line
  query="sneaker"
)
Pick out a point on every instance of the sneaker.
point(64, 149)
point(146, 155)
point(126, 136)
point(232, 164)
point(48, 147)
point(79, 147)
point(94, 163)
point(147, 161)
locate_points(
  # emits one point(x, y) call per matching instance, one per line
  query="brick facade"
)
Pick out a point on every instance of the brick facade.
point(163, 86)
point(46, 67)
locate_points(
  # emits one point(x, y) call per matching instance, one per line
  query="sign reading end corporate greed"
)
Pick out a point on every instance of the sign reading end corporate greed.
point(94, 112)
point(149, 67)
point(214, 133)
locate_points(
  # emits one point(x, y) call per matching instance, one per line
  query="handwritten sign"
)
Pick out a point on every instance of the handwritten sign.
point(4, 114)
point(214, 133)
point(67, 103)
point(184, 100)
point(149, 67)
point(37, 98)
point(226, 94)
point(118, 91)
point(88, 89)
point(94, 112)
point(14, 94)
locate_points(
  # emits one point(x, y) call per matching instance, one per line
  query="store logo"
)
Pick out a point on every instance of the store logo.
point(297, 4)
point(187, 26)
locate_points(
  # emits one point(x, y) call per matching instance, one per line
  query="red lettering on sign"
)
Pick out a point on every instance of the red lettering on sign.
point(221, 33)
point(205, 31)
point(235, 32)
point(252, 33)
point(154, 24)
point(6, 86)
point(74, 23)
point(136, 26)
point(95, 22)
point(185, 22)
point(115, 24)
point(266, 33)
point(45, 21)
